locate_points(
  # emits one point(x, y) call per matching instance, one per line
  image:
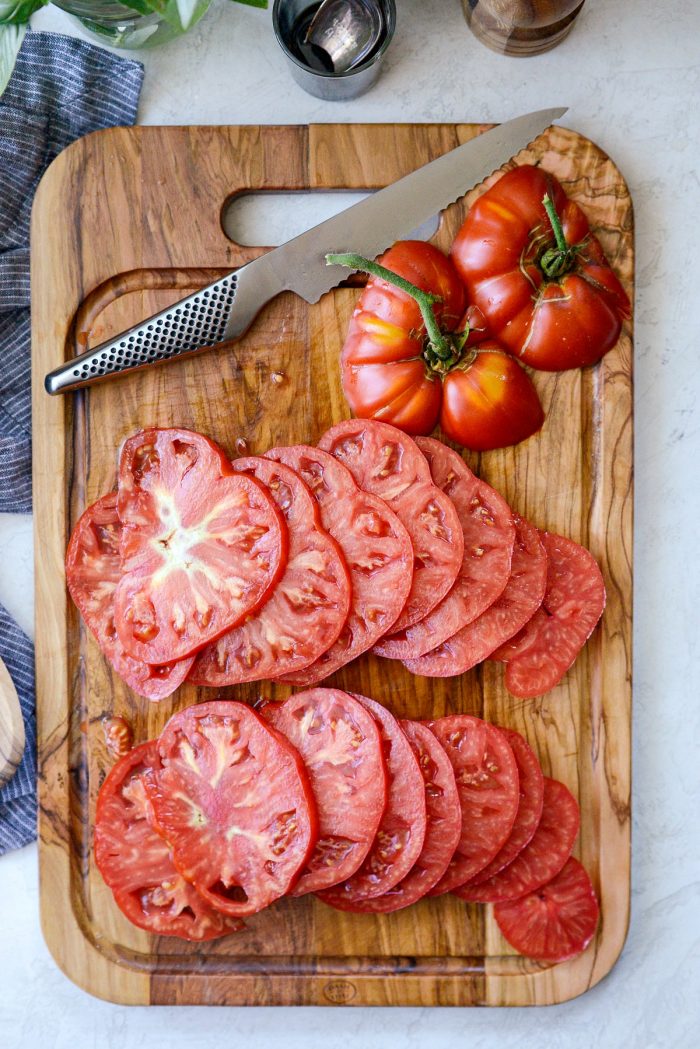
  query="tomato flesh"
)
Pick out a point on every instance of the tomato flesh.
point(401, 834)
point(135, 860)
point(519, 601)
point(443, 825)
point(543, 856)
point(539, 656)
point(376, 547)
point(529, 814)
point(201, 546)
point(234, 800)
point(487, 783)
point(93, 571)
point(342, 749)
point(489, 533)
point(555, 922)
point(308, 608)
point(387, 463)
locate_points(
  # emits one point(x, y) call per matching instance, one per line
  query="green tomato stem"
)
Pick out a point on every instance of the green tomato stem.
point(556, 261)
point(440, 345)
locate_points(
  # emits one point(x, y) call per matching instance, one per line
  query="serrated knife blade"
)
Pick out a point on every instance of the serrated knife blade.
point(225, 310)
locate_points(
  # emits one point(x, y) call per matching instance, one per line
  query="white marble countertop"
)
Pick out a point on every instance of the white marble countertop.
point(630, 73)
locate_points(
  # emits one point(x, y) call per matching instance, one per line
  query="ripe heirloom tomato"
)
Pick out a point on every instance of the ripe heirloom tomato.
point(532, 266)
point(489, 401)
point(410, 359)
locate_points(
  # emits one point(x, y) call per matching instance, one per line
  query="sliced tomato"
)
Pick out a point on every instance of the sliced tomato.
point(309, 605)
point(556, 921)
point(574, 599)
point(517, 604)
point(201, 546)
point(443, 826)
point(542, 858)
point(386, 462)
point(489, 534)
point(401, 832)
point(376, 547)
point(487, 784)
point(528, 816)
point(233, 798)
point(135, 861)
point(342, 749)
point(93, 570)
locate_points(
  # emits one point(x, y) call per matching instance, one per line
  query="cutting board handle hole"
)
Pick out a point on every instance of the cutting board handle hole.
point(267, 218)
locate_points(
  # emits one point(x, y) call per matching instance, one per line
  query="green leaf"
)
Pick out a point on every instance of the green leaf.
point(18, 12)
point(11, 37)
point(253, 3)
point(178, 13)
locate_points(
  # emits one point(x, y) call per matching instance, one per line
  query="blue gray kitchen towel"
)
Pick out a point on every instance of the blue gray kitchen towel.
point(60, 90)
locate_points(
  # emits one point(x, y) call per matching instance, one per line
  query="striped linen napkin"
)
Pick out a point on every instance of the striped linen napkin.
point(61, 89)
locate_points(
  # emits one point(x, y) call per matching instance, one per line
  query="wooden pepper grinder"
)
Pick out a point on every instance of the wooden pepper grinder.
point(11, 727)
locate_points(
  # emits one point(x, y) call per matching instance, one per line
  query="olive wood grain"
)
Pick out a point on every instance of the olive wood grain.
point(125, 222)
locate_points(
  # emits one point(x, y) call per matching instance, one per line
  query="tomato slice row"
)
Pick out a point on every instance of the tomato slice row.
point(290, 565)
point(327, 793)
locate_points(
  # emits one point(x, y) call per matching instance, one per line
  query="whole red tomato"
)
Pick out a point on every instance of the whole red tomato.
point(541, 280)
point(396, 370)
point(489, 401)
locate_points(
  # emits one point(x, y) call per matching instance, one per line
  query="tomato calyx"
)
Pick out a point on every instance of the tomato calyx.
point(442, 350)
point(556, 261)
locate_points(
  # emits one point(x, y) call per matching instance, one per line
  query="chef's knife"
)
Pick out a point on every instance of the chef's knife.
point(225, 310)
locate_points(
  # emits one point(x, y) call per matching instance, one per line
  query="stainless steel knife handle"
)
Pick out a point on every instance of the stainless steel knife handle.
point(218, 313)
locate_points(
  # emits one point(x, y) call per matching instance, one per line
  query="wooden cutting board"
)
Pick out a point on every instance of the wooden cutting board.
point(125, 222)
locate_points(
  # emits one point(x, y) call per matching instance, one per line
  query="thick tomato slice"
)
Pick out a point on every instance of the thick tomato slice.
point(489, 534)
point(383, 372)
point(233, 798)
point(543, 856)
point(517, 604)
point(342, 749)
point(443, 826)
point(547, 646)
point(376, 547)
point(309, 605)
point(488, 788)
point(529, 812)
point(135, 860)
point(556, 921)
point(387, 463)
point(93, 570)
point(201, 546)
point(401, 832)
